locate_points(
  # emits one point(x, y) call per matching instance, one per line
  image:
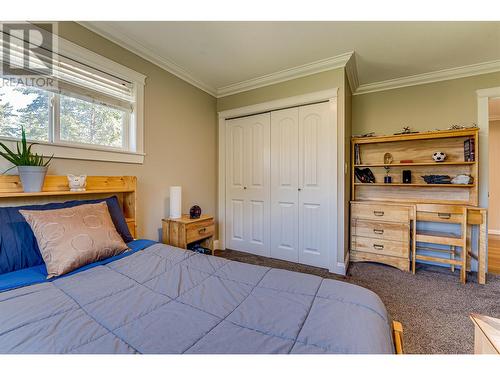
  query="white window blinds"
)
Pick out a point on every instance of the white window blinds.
point(70, 77)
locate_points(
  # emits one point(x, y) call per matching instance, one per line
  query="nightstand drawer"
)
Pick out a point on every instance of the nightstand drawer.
point(380, 230)
point(380, 212)
point(199, 230)
point(378, 246)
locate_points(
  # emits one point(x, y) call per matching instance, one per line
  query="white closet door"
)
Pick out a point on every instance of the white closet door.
point(248, 184)
point(314, 184)
point(284, 184)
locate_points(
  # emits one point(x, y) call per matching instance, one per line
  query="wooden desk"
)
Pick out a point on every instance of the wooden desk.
point(478, 216)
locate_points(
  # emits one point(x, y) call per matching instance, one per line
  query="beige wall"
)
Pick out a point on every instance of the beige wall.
point(180, 138)
point(494, 180)
point(423, 107)
point(316, 82)
point(427, 107)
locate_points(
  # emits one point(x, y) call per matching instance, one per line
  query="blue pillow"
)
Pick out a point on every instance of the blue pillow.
point(18, 246)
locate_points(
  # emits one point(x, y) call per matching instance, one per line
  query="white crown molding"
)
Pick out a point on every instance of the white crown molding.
point(112, 34)
point(351, 70)
point(319, 66)
point(439, 75)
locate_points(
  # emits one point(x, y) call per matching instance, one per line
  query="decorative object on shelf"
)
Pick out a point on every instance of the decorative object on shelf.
point(406, 130)
point(406, 177)
point(460, 127)
point(437, 179)
point(175, 202)
point(462, 179)
point(469, 150)
point(194, 212)
point(438, 156)
point(406, 161)
point(357, 156)
point(387, 160)
point(32, 168)
point(365, 135)
point(77, 183)
point(364, 175)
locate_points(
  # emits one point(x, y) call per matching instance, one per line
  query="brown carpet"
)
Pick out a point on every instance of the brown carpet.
point(432, 305)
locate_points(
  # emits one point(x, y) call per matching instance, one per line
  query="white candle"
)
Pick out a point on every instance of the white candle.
point(175, 202)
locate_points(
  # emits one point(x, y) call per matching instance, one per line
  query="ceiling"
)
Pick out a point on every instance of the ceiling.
point(214, 55)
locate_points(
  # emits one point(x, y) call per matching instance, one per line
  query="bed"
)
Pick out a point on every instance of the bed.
point(160, 299)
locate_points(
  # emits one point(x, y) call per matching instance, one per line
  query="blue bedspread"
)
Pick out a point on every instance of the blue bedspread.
point(168, 300)
point(38, 274)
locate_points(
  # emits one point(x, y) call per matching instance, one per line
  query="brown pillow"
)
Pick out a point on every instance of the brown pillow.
point(70, 238)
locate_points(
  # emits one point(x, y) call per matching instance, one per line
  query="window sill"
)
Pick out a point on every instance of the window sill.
point(82, 152)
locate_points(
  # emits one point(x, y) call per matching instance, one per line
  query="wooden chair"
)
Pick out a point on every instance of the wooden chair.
point(442, 213)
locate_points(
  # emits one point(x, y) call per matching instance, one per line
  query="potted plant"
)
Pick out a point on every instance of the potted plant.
point(32, 168)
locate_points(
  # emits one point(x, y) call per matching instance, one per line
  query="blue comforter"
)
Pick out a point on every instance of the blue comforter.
point(168, 300)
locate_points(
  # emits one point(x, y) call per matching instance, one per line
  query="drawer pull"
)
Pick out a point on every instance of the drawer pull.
point(378, 247)
point(202, 230)
point(444, 216)
point(378, 231)
point(378, 213)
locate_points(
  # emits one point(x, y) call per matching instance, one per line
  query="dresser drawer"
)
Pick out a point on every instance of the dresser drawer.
point(199, 230)
point(378, 246)
point(380, 230)
point(380, 212)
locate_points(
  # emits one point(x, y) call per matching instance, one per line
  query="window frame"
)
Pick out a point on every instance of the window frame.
point(133, 130)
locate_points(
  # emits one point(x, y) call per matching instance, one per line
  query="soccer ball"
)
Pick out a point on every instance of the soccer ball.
point(439, 156)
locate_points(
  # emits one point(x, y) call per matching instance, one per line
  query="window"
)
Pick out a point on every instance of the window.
point(93, 110)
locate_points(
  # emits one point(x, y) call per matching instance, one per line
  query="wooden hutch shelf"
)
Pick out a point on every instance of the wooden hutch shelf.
point(416, 185)
point(419, 148)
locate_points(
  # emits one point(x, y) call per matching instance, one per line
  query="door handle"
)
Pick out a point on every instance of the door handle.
point(444, 216)
point(378, 247)
point(299, 189)
point(378, 213)
point(378, 231)
point(244, 187)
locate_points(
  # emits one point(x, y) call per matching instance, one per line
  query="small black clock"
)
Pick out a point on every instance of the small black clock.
point(195, 212)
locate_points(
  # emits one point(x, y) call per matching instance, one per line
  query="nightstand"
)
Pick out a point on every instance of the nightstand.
point(184, 231)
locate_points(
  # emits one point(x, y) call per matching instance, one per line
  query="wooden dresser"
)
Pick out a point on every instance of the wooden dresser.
point(382, 232)
point(384, 215)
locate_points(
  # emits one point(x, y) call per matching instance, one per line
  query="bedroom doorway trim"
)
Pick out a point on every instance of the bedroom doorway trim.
point(337, 154)
point(483, 96)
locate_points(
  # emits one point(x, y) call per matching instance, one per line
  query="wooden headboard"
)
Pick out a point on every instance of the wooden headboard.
point(56, 188)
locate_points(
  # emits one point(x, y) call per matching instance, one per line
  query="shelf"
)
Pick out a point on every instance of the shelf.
point(416, 185)
point(62, 193)
point(417, 164)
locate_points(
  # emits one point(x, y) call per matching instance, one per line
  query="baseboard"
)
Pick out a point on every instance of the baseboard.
point(342, 267)
point(493, 231)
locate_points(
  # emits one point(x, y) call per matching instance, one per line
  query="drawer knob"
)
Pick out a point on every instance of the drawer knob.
point(202, 230)
point(378, 247)
point(378, 213)
point(444, 216)
point(378, 231)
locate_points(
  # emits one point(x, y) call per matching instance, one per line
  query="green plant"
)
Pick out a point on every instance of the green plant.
point(24, 156)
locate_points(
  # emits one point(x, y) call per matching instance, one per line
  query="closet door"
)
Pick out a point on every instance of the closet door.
point(314, 184)
point(248, 184)
point(284, 184)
